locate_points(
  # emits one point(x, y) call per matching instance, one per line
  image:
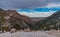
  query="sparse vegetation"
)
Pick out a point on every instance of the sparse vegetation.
point(51, 22)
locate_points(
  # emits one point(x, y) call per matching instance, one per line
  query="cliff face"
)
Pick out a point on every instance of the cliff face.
point(51, 22)
point(12, 19)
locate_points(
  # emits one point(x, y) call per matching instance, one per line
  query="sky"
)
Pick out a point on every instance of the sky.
point(32, 8)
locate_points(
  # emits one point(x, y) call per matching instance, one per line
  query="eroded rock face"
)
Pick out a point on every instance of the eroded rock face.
point(12, 19)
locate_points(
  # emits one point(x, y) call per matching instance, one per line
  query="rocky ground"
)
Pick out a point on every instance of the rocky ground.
point(27, 34)
point(54, 32)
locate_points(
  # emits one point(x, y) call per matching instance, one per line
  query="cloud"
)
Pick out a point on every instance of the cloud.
point(50, 5)
point(37, 14)
point(17, 4)
point(45, 11)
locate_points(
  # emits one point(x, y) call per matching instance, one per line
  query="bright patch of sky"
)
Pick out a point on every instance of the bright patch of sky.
point(37, 14)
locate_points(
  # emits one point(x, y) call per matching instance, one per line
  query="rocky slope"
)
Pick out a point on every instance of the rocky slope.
point(12, 19)
point(51, 22)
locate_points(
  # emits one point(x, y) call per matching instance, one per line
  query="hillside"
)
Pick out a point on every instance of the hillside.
point(51, 22)
point(12, 19)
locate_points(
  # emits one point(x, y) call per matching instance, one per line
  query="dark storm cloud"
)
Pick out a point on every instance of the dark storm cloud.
point(15, 4)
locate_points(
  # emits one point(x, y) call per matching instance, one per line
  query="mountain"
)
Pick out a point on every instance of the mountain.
point(12, 19)
point(36, 19)
point(51, 22)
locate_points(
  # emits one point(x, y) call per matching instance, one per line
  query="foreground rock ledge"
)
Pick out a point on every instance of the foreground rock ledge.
point(26, 34)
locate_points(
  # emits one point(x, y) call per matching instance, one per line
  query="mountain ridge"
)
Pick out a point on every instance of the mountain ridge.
point(50, 22)
point(12, 19)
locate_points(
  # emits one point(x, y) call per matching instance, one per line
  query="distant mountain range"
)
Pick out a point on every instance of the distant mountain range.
point(36, 19)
